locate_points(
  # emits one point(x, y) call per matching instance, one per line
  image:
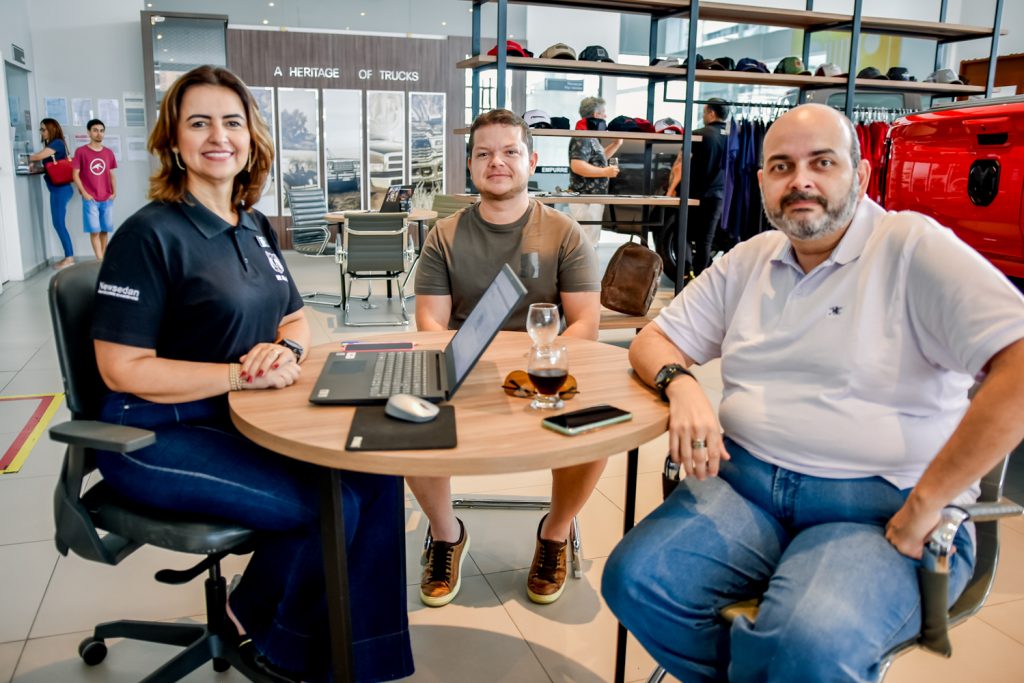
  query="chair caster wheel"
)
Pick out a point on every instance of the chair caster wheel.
point(92, 651)
point(221, 665)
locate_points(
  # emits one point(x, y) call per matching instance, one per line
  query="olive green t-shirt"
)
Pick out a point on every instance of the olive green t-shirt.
point(545, 248)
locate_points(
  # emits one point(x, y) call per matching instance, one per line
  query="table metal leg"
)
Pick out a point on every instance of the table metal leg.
point(632, 459)
point(332, 529)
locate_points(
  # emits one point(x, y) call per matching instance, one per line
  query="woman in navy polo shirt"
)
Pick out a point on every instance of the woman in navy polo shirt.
point(194, 301)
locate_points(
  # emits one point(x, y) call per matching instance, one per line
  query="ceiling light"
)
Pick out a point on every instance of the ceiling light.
point(165, 49)
point(159, 36)
point(265, 22)
point(271, 4)
point(172, 59)
point(362, 14)
point(444, 23)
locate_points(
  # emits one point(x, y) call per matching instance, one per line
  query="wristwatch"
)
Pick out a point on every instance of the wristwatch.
point(666, 375)
point(294, 347)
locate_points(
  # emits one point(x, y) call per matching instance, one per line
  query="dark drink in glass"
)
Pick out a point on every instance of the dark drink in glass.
point(548, 381)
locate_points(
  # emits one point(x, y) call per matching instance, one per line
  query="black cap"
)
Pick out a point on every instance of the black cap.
point(727, 63)
point(624, 124)
point(872, 72)
point(560, 122)
point(899, 73)
point(595, 53)
point(700, 58)
point(594, 123)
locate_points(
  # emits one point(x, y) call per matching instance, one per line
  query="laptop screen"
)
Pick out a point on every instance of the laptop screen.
point(398, 198)
point(483, 323)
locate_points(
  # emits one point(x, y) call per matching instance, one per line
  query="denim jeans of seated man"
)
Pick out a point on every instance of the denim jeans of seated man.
point(201, 463)
point(837, 595)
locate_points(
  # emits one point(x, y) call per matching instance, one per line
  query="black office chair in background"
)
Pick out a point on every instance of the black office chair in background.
point(933, 575)
point(80, 515)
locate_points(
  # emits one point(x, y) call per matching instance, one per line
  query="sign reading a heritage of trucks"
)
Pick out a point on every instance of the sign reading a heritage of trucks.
point(335, 72)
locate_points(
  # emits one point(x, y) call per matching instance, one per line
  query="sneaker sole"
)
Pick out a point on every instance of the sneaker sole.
point(445, 599)
point(545, 599)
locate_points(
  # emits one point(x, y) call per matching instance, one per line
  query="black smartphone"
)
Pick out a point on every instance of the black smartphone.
point(586, 419)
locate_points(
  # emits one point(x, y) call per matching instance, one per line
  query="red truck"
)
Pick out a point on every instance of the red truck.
point(963, 165)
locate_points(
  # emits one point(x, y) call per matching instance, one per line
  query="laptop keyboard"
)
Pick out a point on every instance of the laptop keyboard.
point(399, 372)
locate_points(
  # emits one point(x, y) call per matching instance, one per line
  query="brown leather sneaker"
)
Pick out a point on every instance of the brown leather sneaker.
point(546, 580)
point(442, 571)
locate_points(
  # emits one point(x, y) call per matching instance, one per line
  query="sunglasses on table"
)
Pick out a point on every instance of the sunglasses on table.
point(518, 384)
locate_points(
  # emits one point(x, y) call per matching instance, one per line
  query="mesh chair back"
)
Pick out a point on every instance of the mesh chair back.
point(370, 251)
point(447, 204)
point(72, 301)
point(310, 234)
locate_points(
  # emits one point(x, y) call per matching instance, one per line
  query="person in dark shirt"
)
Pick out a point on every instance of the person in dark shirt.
point(193, 301)
point(56, 149)
point(589, 170)
point(707, 181)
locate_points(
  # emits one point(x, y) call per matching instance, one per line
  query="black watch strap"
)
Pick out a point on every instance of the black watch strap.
point(294, 347)
point(666, 375)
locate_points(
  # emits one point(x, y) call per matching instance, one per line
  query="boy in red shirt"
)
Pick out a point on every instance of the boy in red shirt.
point(93, 173)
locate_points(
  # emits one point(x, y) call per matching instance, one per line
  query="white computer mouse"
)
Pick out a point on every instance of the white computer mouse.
point(411, 408)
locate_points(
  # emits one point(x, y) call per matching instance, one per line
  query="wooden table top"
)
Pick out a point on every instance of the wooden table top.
point(414, 215)
point(496, 433)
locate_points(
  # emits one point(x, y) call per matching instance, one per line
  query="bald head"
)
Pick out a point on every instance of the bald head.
point(815, 117)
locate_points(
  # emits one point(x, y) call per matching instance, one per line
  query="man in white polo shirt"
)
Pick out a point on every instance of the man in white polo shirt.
point(848, 340)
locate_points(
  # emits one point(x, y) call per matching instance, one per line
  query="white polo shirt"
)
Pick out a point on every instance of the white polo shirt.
point(860, 367)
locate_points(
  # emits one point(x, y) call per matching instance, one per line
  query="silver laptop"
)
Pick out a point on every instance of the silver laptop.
point(354, 377)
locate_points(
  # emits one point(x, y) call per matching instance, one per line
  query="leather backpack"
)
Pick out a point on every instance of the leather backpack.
point(631, 279)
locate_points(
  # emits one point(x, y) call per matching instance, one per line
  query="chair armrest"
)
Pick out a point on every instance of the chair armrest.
point(991, 511)
point(102, 436)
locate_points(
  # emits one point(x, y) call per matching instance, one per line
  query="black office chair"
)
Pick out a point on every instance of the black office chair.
point(311, 236)
point(81, 515)
point(933, 576)
point(375, 246)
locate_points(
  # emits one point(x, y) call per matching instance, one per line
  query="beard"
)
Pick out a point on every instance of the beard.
point(836, 217)
point(511, 193)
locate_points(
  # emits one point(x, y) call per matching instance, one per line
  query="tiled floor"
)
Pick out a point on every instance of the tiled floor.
point(490, 633)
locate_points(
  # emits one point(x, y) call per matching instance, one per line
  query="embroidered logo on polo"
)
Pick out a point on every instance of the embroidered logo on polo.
point(118, 291)
point(276, 264)
point(262, 241)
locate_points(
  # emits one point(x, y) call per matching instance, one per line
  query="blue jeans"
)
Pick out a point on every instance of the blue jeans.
point(201, 463)
point(837, 595)
point(60, 197)
point(98, 216)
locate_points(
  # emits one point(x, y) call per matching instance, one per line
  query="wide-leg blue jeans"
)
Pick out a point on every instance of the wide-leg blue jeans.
point(837, 595)
point(201, 463)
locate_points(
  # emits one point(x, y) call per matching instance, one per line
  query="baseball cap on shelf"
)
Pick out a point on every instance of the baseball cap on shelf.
point(591, 123)
point(828, 69)
point(793, 66)
point(558, 51)
point(668, 125)
point(595, 53)
point(513, 49)
point(537, 118)
point(727, 63)
point(644, 125)
point(750, 64)
point(560, 122)
point(670, 61)
point(899, 73)
point(944, 76)
point(711, 64)
point(625, 124)
point(700, 58)
point(872, 72)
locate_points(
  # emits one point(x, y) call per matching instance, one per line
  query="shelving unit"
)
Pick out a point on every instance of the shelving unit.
point(808, 20)
point(600, 134)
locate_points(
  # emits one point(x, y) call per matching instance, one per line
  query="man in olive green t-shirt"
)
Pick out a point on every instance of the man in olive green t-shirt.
point(557, 264)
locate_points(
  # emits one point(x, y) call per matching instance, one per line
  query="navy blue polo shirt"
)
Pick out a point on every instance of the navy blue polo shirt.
point(179, 279)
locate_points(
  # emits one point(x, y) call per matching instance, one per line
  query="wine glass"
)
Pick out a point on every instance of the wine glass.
point(542, 322)
point(547, 368)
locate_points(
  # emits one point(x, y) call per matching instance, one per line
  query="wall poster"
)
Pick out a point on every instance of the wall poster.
point(385, 146)
point(343, 149)
point(299, 144)
point(267, 205)
point(426, 146)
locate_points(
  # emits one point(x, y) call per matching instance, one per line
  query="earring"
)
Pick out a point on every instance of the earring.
point(177, 161)
point(251, 163)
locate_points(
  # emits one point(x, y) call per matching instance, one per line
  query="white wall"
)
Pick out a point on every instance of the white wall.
point(92, 49)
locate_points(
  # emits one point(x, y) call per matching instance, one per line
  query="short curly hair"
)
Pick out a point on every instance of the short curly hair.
point(590, 105)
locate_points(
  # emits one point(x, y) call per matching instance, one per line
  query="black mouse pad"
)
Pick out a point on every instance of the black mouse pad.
point(374, 430)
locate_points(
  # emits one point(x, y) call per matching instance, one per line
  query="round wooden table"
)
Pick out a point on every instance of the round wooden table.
point(496, 433)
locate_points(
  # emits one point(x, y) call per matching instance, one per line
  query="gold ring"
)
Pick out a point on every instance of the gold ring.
point(698, 444)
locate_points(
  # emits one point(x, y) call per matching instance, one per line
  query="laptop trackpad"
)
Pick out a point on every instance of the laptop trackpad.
point(347, 367)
